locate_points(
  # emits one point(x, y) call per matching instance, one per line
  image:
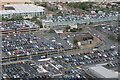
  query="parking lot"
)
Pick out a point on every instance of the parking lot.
point(110, 29)
point(66, 66)
point(113, 65)
point(82, 17)
point(6, 25)
point(31, 43)
point(87, 59)
point(28, 70)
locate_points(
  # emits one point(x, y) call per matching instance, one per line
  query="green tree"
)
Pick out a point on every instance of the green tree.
point(51, 31)
point(34, 18)
point(73, 30)
point(44, 4)
point(75, 41)
point(67, 27)
point(39, 23)
point(18, 17)
point(112, 37)
point(96, 11)
point(118, 38)
point(81, 5)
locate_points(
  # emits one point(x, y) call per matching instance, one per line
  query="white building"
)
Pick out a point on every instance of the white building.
point(59, 31)
point(25, 10)
point(47, 22)
point(93, 12)
point(73, 26)
point(102, 72)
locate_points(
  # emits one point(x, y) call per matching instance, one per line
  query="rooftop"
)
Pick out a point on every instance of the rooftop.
point(83, 37)
point(22, 8)
point(103, 72)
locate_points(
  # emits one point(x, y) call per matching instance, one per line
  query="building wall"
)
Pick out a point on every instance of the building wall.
point(24, 15)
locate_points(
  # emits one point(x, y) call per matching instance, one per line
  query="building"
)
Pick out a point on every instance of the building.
point(102, 72)
point(73, 26)
point(93, 12)
point(47, 23)
point(24, 10)
point(84, 39)
point(59, 31)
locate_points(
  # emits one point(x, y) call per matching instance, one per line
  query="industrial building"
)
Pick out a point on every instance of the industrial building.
point(102, 72)
point(24, 10)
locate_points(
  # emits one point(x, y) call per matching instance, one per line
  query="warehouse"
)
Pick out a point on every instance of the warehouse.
point(102, 72)
point(24, 10)
point(84, 39)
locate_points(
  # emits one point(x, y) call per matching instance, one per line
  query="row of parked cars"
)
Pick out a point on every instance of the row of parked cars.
point(71, 45)
point(113, 64)
point(13, 71)
point(74, 77)
point(24, 69)
point(68, 72)
point(6, 25)
point(56, 64)
point(83, 16)
point(28, 43)
point(88, 58)
point(110, 28)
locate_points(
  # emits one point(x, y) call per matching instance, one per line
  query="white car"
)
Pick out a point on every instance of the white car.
point(113, 46)
point(104, 55)
point(94, 34)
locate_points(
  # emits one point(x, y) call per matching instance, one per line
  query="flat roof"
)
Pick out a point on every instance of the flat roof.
point(104, 72)
point(22, 8)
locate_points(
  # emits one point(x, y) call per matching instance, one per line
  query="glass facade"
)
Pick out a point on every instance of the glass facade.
point(23, 14)
point(81, 21)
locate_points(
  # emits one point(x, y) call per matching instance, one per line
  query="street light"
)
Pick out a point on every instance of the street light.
point(30, 56)
point(17, 57)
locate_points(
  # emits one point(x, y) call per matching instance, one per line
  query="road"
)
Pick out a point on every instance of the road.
point(107, 43)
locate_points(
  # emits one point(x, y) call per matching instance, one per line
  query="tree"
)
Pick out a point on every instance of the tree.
point(27, 19)
point(112, 37)
point(66, 2)
point(44, 4)
point(96, 11)
point(51, 31)
point(18, 17)
point(43, 17)
point(58, 14)
point(6, 19)
point(67, 27)
point(81, 5)
point(39, 23)
point(26, 2)
point(80, 28)
point(118, 38)
point(73, 30)
point(75, 41)
point(34, 18)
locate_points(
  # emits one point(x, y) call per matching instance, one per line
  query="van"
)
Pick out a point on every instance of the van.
point(43, 56)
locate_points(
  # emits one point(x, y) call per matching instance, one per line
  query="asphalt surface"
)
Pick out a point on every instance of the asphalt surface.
point(107, 44)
